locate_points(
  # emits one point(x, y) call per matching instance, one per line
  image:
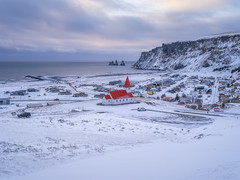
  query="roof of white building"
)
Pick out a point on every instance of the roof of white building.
point(121, 94)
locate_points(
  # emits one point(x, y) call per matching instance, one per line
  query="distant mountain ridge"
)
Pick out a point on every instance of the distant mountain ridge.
point(213, 53)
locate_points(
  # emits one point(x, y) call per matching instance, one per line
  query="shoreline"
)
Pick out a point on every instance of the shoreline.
point(64, 70)
point(58, 77)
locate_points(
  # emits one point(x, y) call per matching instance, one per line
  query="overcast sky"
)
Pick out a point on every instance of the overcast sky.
point(106, 29)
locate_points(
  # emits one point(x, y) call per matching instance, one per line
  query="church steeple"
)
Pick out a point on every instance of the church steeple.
point(127, 85)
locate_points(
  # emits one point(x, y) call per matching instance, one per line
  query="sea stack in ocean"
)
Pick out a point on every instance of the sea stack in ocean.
point(115, 63)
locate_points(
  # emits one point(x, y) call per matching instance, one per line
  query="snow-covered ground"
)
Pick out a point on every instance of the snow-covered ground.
point(214, 156)
point(80, 139)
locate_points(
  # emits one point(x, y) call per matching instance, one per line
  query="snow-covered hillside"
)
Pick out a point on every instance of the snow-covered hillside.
point(69, 137)
point(213, 53)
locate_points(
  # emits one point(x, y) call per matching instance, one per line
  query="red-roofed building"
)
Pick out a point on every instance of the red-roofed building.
point(118, 97)
point(107, 97)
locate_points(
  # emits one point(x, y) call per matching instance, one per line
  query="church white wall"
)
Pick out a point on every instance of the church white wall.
point(117, 101)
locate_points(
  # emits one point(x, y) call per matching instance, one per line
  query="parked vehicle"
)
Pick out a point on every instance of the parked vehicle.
point(24, 115)
point(141, 109)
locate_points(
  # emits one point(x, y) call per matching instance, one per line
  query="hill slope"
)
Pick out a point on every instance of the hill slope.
point(215, 53)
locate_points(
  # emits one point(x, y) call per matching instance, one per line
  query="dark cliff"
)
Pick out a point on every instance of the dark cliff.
point(212, 53)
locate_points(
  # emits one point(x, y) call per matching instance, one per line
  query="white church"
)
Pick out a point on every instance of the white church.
point(119, 97)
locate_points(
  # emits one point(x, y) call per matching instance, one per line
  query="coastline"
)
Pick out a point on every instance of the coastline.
point(8, 72)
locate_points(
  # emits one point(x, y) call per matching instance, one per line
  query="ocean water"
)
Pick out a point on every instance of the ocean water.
point(18, 70)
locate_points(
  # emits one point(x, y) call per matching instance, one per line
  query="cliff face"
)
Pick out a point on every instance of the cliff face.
point(210, 54)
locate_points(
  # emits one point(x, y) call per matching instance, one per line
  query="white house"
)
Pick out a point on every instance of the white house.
point(118, 97)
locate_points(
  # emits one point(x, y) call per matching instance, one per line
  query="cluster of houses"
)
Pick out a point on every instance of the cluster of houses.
point(177, 88)
point(100, 88)
point(61, 91)
point(21, 92)
point(155, 87)
point(195, 92)
point(229, 91)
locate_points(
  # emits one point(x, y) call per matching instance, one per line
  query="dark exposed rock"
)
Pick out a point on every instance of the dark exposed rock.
point(206, 64)
point(178, 66)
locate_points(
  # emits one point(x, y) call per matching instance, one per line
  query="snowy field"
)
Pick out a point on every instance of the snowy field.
point(81, 139)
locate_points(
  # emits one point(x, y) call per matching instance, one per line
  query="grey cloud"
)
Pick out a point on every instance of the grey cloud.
point(24, 55)
point(22, 14)
point(59, 20)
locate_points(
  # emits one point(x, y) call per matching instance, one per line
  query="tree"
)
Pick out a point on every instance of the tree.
point(164, 95)
point(184, 95)
point(177, 97)
point(209, 91)
point(223, 105)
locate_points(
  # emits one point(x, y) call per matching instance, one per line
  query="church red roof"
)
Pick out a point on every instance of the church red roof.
point(127, 83)
point(107, 97)
point(122, 94)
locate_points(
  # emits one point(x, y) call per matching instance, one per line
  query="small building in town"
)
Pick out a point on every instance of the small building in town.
point(150, 92)
point(53, 103)
point(206, 107)
point(18, 93)
point(118, 97)
point(235, 100)
point(67, 92)
point(115, 82)
point(192, 105)
point(32, 90)
point(4, 101)
point(217, 109)
point(34, 105)
point(200, 87)
point(80, 94)
point(186, 99)
point(169, 99)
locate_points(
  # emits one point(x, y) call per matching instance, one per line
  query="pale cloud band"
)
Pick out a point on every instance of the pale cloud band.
point(110, 27)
